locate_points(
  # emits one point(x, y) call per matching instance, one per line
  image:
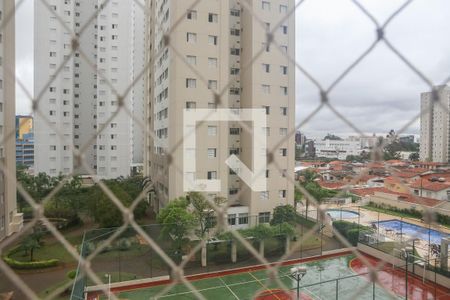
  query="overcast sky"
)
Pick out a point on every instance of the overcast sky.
point(380, 94)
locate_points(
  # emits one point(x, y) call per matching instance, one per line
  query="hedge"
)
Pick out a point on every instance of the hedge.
point(71, 274)
point(32, 265)
point(350, 230)
point(412, 213)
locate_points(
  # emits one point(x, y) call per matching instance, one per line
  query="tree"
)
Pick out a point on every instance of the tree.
point(32, 242)
point(332, 137)
point(176, 222)
point(260, 232)
point(414, 156)
point(283, 214)
point(105, 212)
point(314, 189)
point(298, 197)
point(203, 211)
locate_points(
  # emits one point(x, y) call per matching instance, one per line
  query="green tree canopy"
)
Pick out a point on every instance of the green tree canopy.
point(283, 214)
point(176, 221)
point(105, 212)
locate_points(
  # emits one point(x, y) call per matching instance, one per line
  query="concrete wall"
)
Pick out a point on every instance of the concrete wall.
point(392, 200)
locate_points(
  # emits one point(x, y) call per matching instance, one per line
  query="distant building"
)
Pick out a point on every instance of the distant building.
point(80, 100)
point(338, 149)
point(25, 150)
point(24, 125)
point(367, 142)
point(300, 138)
point(434, 126)
point(24, 141)
point(310, 149)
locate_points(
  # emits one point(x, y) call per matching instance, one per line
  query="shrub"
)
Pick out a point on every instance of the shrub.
point(350, 230)
point(413, 213)
point(123, 244)
point(72, 274)
point(33, 265)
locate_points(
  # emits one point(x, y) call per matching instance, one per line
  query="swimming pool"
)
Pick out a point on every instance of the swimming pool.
point(413, 230)
point(338, 214)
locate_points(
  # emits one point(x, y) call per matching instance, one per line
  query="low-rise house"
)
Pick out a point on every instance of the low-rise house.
point(432, 189)
point(404, 201)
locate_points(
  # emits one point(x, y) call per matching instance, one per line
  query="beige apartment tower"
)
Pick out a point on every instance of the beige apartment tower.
point(10, 220)
point(434, 126)
point(219, 39)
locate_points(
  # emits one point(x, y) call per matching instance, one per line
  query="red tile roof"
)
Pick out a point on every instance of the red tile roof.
point(405, 174)
point(332, 185)
point(430, 186)
point(368, 191)
point(415, 199)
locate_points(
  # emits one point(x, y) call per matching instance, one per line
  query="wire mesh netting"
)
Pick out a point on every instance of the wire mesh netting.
point(107, 250)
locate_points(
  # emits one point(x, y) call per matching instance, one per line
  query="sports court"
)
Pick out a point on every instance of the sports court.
point(335, 277)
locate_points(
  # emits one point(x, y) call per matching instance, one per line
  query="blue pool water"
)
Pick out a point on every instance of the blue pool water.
point(337, 214)
point(413, 230)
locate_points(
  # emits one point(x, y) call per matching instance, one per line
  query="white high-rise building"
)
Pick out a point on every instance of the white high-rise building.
point(219, 39)
point(81, 93)
point(435, 126)
point(10, 220)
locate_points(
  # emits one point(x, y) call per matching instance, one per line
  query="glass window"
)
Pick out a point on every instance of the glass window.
point(212, 152)
point(232, 219)
point(212, 40)
point(212, 62)
point(212, 175)
point(191, 83)
point(192, 60)
point(191, 37)
point(212, 130)
point(264, 195)
point(213, 18)
point(191, 15)
point(243, 218)
point(264, 217)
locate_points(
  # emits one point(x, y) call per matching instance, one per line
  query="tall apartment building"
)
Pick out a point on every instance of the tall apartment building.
point(219, 38)
point(78, 100)
point(10, 220)
point(435, 126)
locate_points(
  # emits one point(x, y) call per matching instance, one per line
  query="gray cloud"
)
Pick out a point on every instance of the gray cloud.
point(381, 93)
point(24, 55)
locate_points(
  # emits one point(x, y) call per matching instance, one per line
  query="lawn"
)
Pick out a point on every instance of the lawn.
point(64, 295)
point(51, 249)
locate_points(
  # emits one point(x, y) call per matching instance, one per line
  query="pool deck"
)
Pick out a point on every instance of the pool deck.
point(367, 217)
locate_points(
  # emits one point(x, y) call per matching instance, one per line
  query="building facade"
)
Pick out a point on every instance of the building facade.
point(25, 151)
point(10, 220)
point(83, 85)
point(434, 126)
point(338, 149)
point(218, 39)
point(25, 142)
